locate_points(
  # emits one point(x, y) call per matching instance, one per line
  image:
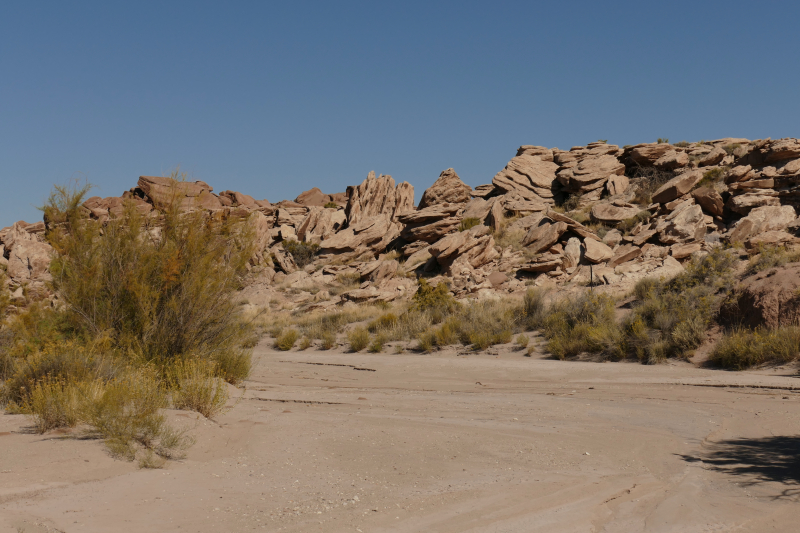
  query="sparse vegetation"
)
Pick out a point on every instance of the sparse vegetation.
point(766, 257)
point(358, 339)
point(468, 223)
point(628, 224)
point(331, 205)
point(286, 339)
point(711, 177)
point(662, 141)
point(522, 341)
point(681, 144)
point(744, 348)
point(647, 181)
point(303, 253)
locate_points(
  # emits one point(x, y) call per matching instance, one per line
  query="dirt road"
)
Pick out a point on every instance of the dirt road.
point(440, 443)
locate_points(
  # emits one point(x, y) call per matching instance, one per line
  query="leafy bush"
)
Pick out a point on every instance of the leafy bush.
point(303, 253)
point(742, 349)
point(437, 301)
point(286, 340)
point(468, 223)
point(358, 339)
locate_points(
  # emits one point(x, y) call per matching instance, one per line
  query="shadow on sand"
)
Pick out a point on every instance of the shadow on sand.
point(756, 461)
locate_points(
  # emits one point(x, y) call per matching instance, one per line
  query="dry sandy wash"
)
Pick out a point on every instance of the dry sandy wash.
point(440, 443)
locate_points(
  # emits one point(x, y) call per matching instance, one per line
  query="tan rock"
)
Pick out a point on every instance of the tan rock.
point(484, 191)
point(683, 224)
point(475, 246)
point(320, 224)
point(573, 225)
point(572, 253)
point(648, 154)
point(163, 192)
point(792, 167)
point(378, 196)
point(477, 208)
point(313, 197)
point(767, 299)
point(378, 271)
point(682, 251)
point(606, 212)
point(677, 186)
point(617, 184)
point(283, 259)
point(417, 259)
point(709, 199)
point(744, 203)
point(672, 160)
point(762, 219)
point(596, 252)
point(624, 254)
point(430, 232)
point(447, 189)
point(590, 174)
point(612, 238)
point(529, 176)
point(782, 149)
point(29, 260)
point(770, 238)
point(714, 157)
point(740, 173)
point(542, 237)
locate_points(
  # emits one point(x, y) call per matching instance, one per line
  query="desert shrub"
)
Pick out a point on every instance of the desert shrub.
point(59, 403)
point(196, 387)
point(670, 318)
point(731, 148)
point(305, 343)
point(233, 365)
point(583, 323)
point(580, 217)
point(349, 279)
point(426, 341)
point(771, 257)
point(161, 287)
point(435, 300)
point(384, 322)
point(331, 205)
point(662, 141)
point(376, 346)
point(303, 253)
point(571, 202)
point(5, 294)
point(328, 340)
point(128, 417)
point(522, 341)
point(681, 144)
point(529, 351)
point(534, 308)
point(647, 181)
point(358, 339)
point(468, 223)
point(286, 340)
point(743, 348)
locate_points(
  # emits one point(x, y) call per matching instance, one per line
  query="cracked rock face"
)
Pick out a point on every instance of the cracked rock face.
point(448, 189)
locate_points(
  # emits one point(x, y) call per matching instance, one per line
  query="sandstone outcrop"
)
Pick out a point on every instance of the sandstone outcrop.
point(769, 298)
point(448, 189)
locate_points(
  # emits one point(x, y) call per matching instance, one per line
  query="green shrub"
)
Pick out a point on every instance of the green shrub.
point(437, 301)
point(286, 340)
point(662, 141)
point(384, 322)
point(358, 339)
point(331, 205)
point(305, 343)
point(196, 387)
point(468, 223)
point(303, 253)
point(710, 177)
point(583, 323)
point(58, 403)
point(742, 349)
point(377, 344)
point(534, 308)
point(681, 144)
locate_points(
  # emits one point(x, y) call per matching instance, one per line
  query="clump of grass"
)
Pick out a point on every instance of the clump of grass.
point(377, 344)
point(743, 348)
point(530, 350)
point(328, 340)
point(195, 387)
point(468, 223)
point(384, 322)
point(349, 280)
point(570, 203)
point(358, 339)
point(730, 149)
point(286, 340)
point(662, 141)
point(584, 323)
point(534, 308)
point(331, 205)
point(771, 257)
point(305, 344)
point(628, 224)
point(681, 144)
point(522, 341)
point(303, 252)
point(712, 176)
point(434, 300)
point(59, 403)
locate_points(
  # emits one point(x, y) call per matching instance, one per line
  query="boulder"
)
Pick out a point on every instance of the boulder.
point(283, 259)
point(617, 184)
point(417, 259)
point(320, 224)
point(29, 260)
point(612, 238)
point(769, 238)
point(677, 186)
point(596, 252)
point(714, 157)
point(682, 251)
point(762, 219)
point(447, 189)
point(686, 223)
point(770, 299)
point(484, 191)
point(378, 196)
point(378, 271)
point(540, 238)
point(430, 232)
point(606, 212)
point(475, 246)
point(163, 192)
point(530, 176)
point(572, 253)
point(590, 174)
point(709, 199)
point(623, 254)
point(739, 173)
point(744, 203)
point(313, 197)
point(478, 208)
point(647, 154)
point(672, 160)
point(782, 149)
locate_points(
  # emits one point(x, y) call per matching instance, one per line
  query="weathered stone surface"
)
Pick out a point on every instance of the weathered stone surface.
point(782, 149)
point(417, 259)
point(739, 173)
point(477, 208)
point(686, 223)
point(682, 251)
point(164, 191)
point(484, 191)
point(770, 238)
point(623, 254)
point(540, 238)
point(378, 196)
point(744, 203)
point(529, 176)
point(762, 219)
point(378, 271)
point(430, 214)
point(430, 232)
point(605, 212)
point(320, 224)
point(313, 197)
point(590, 174)
point(768, 299)
point(543, 263)
point(672, 160)
point(572, 253)
point(283, 259)
point(714, 157)
point(677, 186)
point(617, 184)
point(573, 225)
point(596, 252)
point(447, 189)
point(709, 199)
point(476, 246)
point(612, 238)
point(648, 154)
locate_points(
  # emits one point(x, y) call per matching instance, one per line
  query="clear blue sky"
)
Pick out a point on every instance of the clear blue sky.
point(273, 98)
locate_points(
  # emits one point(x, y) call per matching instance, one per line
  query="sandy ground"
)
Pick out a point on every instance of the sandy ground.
point(440, 443)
